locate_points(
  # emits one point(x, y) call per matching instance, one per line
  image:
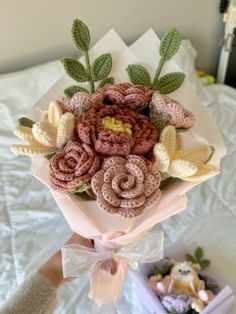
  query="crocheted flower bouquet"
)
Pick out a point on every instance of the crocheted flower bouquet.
point(119, 157)
point(182, 285)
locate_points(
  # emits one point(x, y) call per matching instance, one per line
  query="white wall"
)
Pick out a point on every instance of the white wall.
point(36, 31)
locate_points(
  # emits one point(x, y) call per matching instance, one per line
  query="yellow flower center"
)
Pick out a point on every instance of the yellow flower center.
point(116, 125)
point(178, 155)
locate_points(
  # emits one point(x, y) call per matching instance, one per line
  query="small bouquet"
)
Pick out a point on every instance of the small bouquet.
point(119, 157)
point(182, 286)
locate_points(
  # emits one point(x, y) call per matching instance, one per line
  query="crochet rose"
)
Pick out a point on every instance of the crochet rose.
point(132, 96)
point(72, 167)
point(126, 186)
point(111, 141)
point(80, 102)
point(176, 115)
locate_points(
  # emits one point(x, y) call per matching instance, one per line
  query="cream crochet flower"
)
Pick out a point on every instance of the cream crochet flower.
point(54, 130)
point(187, 165)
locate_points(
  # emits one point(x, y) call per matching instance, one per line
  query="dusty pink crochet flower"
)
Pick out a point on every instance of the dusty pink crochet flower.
point(126, 186)
point(132, 96)
point(81, 101)
point(72, 167)
point(109, 142)
point(177, 115)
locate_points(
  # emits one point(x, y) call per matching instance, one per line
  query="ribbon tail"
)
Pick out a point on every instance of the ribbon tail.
point(106, 288)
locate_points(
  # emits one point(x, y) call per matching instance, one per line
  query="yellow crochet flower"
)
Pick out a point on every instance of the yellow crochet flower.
point(187, 165)
point(54, 130)
point(116, 125)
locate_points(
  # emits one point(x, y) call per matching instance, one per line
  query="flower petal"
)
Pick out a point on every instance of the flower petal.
point(204, 172)
point(181, 169)
point(168, 138)
point(22, 149)
point(198, 155)
point(162, 159)
point(54, 113)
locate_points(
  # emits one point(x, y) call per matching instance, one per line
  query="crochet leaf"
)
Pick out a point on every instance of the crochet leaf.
point(198, 253)
point(23, 121)
point(83, 196)
point(161, 122)
point(139, 75)
point(190, 258)
point(84, 187)
point(101, 67)
point(71, 90)
point(80, 35)
point(204, 263)
point(75, 69)
point(108, 80)
point(170, 43)
point(169, 183)
point(169, 82)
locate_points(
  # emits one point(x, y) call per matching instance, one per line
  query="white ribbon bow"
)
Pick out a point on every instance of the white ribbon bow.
point(78, 259)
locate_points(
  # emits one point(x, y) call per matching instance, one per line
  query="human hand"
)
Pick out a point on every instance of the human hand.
point(52, 269)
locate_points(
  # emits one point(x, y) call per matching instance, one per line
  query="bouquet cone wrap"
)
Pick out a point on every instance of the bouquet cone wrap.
point(85, 217)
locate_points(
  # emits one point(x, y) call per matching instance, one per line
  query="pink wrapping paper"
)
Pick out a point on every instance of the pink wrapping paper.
point(85, 218)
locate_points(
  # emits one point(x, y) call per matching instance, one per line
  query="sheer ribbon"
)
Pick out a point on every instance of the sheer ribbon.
point(78, 260)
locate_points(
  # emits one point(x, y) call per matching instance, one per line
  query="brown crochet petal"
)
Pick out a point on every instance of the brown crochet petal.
point(177, 115)
point(127, 94)
point(109, 142)
point(126, 186)
point(74, 166)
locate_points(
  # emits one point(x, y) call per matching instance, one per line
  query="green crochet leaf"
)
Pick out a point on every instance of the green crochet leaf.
point(204, 263)
point(179, 130)
point(80, 35)
point(83, 196)
point(170, 43)
point(108, 80)
point(139, 75)
point(198, 253)
point(211, 155)
point(75, 69)
point(190, 258)
point(80, 192)
point(84, 187)
point(23, 121)
point(169, 183)
point(160, 123)
point(101, 67)
point(169, 82)
point(57, 151)
point(71, 90)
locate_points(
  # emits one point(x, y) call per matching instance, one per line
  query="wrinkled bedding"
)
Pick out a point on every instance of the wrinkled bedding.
point(32, 228)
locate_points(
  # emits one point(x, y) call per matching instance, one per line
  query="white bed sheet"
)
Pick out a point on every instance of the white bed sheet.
point(32, 228)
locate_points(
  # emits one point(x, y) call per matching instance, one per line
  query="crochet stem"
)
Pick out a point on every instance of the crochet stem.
point(158, 72)
point(90, 80)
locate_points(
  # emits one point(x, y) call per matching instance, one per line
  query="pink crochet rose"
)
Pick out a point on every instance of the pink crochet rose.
point(109, 142)
point(72, 167)
point(132, 96)
point(81, 101)
point(177, 115)
point(126, 186)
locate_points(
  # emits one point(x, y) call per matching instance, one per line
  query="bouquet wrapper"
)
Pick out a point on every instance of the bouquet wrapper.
point(85, 217)
point(219, 305)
